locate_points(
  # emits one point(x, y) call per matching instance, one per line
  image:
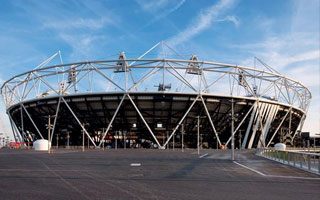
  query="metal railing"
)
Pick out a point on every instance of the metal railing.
point(303, 160)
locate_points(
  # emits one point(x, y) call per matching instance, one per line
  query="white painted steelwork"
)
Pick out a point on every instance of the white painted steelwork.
point(266, 87)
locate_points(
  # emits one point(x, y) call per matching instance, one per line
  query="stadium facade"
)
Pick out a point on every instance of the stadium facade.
point(155, 103)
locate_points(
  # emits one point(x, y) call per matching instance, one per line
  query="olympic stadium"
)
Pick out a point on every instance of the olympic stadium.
point(155, 103)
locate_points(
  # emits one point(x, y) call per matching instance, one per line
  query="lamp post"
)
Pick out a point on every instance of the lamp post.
point(168, 147)
point(198, 135)
point(182, 135)
point(232, 130)
point(173, 142)
point(124, 139)
point(198, 132)
point(103, 140)
point(88, 142)
point(49, 127)
point(240, 137)
point(57, 138)
point(116, 140)
point(68, 139)
point(83, 125)
point(82, 140)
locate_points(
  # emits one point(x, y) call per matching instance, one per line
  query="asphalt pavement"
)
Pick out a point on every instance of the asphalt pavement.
point(150, 174)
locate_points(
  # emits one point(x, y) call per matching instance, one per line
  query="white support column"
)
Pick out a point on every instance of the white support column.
point(290, 121)
point(244, 143)
point(299, 128)
point(76, 118)
point(22, 121)
point(182, 135)
point(112, 119)
point(264, 128)
point(244, 118)
point(269, 120)
point(278, 127)
point(35, 126)
point(16, 137)
point(264, 122)
point(55, 119)
point(258, 121)
point(13, 132)
point(184, 116)
point(144, 121)
point(210, 120)
point(15, 127)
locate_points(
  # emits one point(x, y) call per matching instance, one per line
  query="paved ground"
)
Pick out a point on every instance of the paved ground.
point(163, 174)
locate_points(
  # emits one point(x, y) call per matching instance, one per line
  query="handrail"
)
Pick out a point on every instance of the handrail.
point(302, 160)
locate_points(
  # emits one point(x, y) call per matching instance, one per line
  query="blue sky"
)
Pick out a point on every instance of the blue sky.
point(283, 33)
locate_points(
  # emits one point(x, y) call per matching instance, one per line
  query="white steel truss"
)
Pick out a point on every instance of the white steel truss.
point(265, 86)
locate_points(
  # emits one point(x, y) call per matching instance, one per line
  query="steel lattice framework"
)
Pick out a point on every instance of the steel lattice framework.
point(103, 97)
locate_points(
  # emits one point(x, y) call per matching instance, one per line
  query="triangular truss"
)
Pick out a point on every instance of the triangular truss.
point(169, 72)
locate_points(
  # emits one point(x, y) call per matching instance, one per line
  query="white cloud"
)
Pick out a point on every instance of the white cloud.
point(164, 13)
point(152, 5)
point(82, 44)
point(83, 35)
point(202, 22)
point(295, 53)
point(282, 60)
point(233, 19)
point(79, 23)
point(85, 31)
point(306, 16)
point(288, 53)
point(302, 57)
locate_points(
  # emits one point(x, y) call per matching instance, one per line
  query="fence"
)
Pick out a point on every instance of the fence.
point(302, 160)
